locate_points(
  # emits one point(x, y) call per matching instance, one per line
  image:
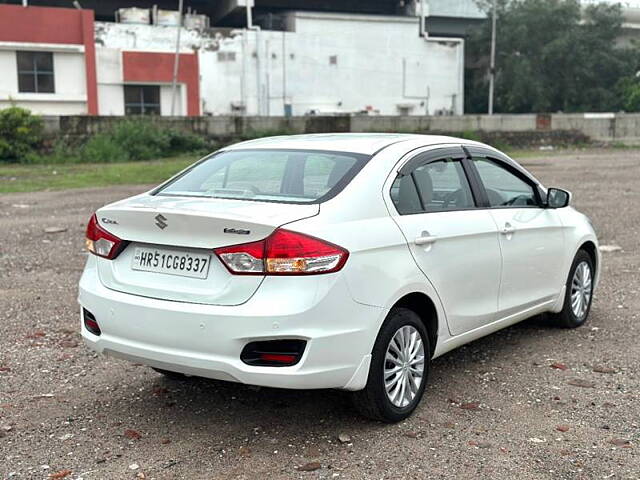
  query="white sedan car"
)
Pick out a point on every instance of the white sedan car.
point(344, 261)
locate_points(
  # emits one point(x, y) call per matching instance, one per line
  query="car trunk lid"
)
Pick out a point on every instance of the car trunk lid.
point(186, 227)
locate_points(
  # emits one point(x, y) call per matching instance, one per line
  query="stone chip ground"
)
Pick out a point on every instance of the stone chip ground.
point(500, 407)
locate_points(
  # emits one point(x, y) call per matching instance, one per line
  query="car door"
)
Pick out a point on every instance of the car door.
point(531, 236)
point(452, 241)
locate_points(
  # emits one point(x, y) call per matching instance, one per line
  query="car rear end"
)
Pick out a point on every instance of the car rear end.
point(212, 274)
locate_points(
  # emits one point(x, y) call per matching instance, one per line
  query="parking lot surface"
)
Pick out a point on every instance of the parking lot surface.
point(530, 402)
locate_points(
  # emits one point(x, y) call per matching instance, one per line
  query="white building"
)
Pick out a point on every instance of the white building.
point(331, 63)
point(325, 64)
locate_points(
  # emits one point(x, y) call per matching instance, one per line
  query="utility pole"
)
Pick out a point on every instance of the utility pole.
point(492, 67)
point(176, 62)
point(256, 29)
point(248, 5)
point(284, 73)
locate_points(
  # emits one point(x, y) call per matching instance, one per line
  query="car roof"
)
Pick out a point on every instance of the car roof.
point(365, 143)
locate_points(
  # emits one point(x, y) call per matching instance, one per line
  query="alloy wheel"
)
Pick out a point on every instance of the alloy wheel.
point(581, 286)
point(404, 366)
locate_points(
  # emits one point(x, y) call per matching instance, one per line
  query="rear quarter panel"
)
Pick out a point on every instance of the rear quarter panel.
point(380, 269)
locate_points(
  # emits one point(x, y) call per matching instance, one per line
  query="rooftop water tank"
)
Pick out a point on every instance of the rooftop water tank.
point(134, 15)
point(168, 18)
point(196, 21)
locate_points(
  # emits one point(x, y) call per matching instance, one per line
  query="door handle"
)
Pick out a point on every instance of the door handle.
point(425, 239)
point(508, 229)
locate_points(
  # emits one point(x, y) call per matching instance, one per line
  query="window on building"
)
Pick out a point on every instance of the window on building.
point(142, 99)
point(333, 60)
point(226, 56)
point(35, 72)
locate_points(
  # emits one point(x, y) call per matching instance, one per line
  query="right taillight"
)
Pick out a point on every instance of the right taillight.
point(283, 253)
point(100, 242)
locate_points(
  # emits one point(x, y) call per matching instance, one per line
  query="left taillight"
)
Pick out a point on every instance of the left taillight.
point(283, 253)
point(100, 242)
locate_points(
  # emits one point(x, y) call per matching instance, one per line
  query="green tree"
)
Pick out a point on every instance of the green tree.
point(551, 55)
point(629, 88)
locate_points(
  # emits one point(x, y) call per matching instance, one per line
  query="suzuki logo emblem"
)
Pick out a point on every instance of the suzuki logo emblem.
point(161, 221)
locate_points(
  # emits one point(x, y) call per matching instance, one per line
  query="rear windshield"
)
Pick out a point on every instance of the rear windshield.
point(290, 176)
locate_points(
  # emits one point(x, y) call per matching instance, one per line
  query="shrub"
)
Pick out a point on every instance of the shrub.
point(125, 140)
point(140, 139)
point(102, 148)
point(20, 134)
point(471, 135)
point(60, 152)
point(180, 142)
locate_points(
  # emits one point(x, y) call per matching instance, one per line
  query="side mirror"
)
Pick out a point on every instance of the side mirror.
point(558, 198)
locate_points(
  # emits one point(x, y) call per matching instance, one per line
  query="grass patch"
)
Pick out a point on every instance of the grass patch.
point(33, 178)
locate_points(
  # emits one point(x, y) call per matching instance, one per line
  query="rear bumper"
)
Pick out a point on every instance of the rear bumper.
point(207, 340)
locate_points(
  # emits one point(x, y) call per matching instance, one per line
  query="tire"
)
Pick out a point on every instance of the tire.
point(373, 401)
point(569, 317)
point(171, 375)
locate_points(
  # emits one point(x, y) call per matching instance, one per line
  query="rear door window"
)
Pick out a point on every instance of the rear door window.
point(436, 186)
point(444, 186)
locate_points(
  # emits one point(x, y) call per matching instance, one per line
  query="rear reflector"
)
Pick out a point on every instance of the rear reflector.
point(278, 357)
point(90, 322)
point(102, 243)
point(273, 353)
point(283, 253)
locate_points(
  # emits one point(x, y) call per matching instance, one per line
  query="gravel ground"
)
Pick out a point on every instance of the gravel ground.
point(529, 402)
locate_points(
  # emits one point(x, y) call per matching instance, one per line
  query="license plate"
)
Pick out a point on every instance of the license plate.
point(171, 262)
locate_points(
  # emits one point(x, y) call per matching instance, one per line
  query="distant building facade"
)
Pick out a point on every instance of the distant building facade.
point(60, 61)
point(453, 18)
point(47, 60)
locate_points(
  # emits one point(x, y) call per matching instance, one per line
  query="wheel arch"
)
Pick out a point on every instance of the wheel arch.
point(590, 247)
point(589, 243)
point(421, 304)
